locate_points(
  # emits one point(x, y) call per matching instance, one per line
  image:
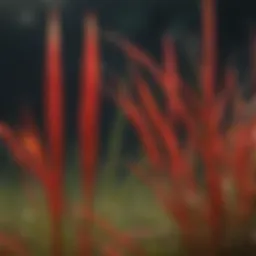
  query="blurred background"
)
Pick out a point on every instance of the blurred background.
point(129, 205)
point(144, 22)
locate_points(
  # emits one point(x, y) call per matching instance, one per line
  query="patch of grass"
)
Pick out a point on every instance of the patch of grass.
point(130, 207)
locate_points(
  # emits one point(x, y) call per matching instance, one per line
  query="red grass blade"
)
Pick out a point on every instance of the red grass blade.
point(145, 135)
point(54, 94)
point(88, 116)
point(208, 66)
point(29, 135)
point(243, 171)
point(179, 170)
point(23, 154)
point(172, 87)
point(54, 123)
point(137, 55)
point(171, 76)
point(89, 106)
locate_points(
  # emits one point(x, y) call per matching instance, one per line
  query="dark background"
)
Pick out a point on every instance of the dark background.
point(143, 21)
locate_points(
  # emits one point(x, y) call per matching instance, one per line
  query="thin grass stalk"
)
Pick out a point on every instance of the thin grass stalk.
point(242, 155)
point(171, 78)
point(134, 114)
point(54, 123)
point(88, 115)
point(208, 83)
point(172, 86)
point(209, 42)
point(22, 155)
point(162, 76)
point(166, 76)
point(179, 179)
point(179, 170)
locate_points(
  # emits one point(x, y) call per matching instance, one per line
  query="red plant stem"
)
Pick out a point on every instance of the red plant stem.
point(168, 78)
point(54, 94)
point(227, 94)
point(137, 55)
point(168, 201)
point(134, 114)
point(21, 154)
point(171, 77)
point(208, 65)
point(243, 180)
point(89, 106)
point(213, 179)
point(54, 122)
point(215, 198)
point(172, 87)
point(54, 201)
point(167, 82)
point(89, 112)
point(230, 81)
point(180, 171)
point(208, 82)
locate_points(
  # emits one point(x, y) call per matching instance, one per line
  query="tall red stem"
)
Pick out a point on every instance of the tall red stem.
point(54, 123)
point(209, 40)
point(208, 80)
point(89, 113)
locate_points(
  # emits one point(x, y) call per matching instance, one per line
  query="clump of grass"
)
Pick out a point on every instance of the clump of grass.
point(209, 217)
point(205, 216)
point(44, 160)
